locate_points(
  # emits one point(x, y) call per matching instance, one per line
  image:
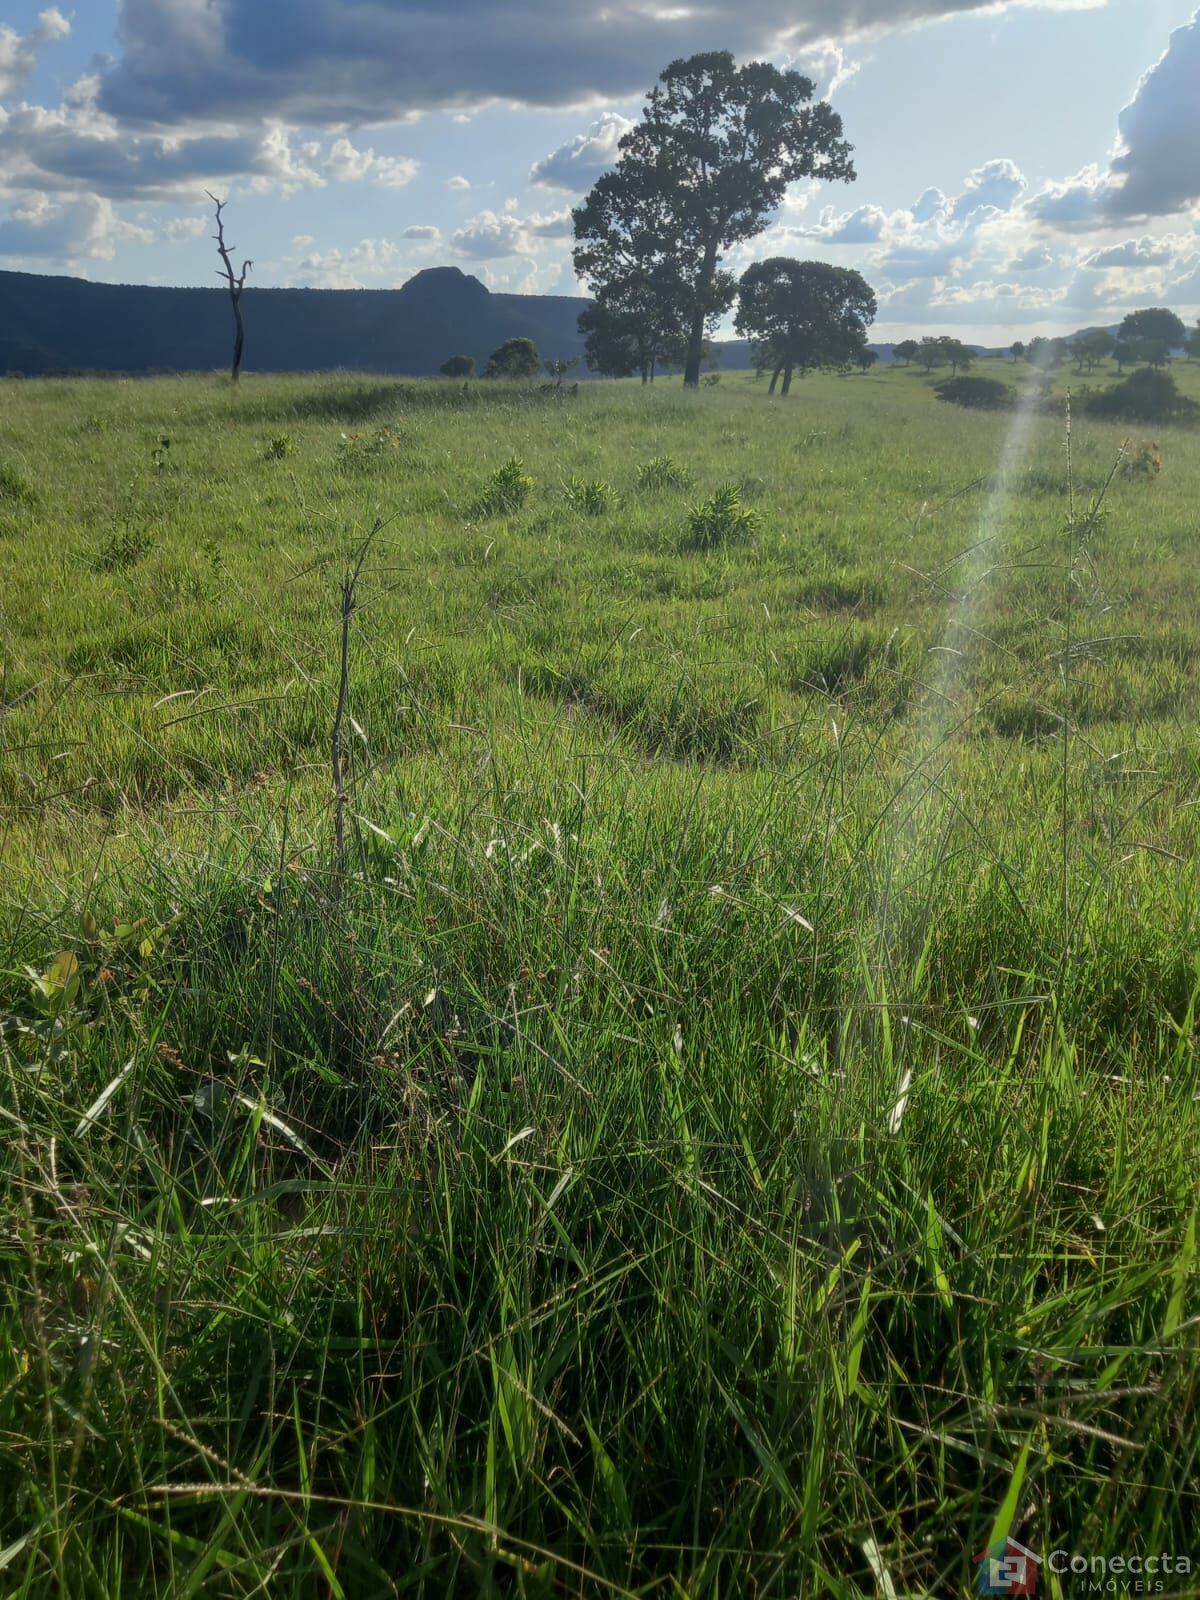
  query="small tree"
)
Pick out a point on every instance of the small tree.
point(931, 353)
point(810, 313)
point(1092, 347)
point(907, 351)
point(1016, 349)
point(236, 282)
point(1124, 354)
point(558, 369)
point(1157, 323)
point(958, 356)
point(458, 367)
point(866, 359)
point(1154, 352)
point(515, 358)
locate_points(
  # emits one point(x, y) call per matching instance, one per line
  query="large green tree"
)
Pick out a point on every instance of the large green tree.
point(634, 325)
point(710, 160)
point(1156, 323)
point(808, 313)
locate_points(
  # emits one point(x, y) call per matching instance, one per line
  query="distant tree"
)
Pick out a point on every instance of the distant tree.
point(1016, 349)
point(515, 358)
point(810, 313)
point(957, 355)
point(866, 359)
point(559, 367)
point(907, 350)
point(1192, 343)
point(1124, 354)
point(1155, 322)
point(458, 367)
point(634, 325)
point(1046, 354)
point(236, 282)
point(1090, 348)
point(710, 160)
point(931, 353)
point(1154, 352)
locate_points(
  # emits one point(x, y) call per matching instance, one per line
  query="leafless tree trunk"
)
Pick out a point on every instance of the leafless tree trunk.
point(236, 282)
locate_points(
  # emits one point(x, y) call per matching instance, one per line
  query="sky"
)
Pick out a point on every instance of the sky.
point(1024, 166)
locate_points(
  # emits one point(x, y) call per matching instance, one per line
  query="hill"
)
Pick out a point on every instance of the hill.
point(68, 324)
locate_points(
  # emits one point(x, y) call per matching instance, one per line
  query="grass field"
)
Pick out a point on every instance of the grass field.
point(729, 1127)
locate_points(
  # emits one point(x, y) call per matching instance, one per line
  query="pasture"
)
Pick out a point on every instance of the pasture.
point(729, 1124)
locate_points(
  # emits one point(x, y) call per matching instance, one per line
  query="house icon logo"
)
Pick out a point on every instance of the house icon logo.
point(1007, 1568)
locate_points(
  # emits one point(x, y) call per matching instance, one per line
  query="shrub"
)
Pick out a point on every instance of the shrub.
point(662, 472)
point(16, 488)
point(979, 394)
point(1143, 459)
point(362, 449)
point(279, 446)
point(722, 519)
point(515, 358)
point(458, 367)
point(1144, 396)
point(592, 496)
point(505, 491)
point(123, 550)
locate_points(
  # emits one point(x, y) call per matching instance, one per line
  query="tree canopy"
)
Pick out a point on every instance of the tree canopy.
point(808, 313)
point(1155, 322)
point(711, 158)
point(458, 367)
point(515, 358)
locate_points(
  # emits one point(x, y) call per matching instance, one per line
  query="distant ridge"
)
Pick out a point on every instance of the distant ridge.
point(66, 325)
point(72, 325)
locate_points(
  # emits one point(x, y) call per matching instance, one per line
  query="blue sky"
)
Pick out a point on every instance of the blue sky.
point(1022, 167)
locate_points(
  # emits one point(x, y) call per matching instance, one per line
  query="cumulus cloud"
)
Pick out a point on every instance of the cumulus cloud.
point(491, 235)
point(335, 64)
point(1159, 163)
point(996, 185)
point(865, 225)
point(1132, 253)
point(1035, 258)
point(45, 228)
point(422, 230)
point(577, 164)
point(367, 263)
point(346, 164)
point(931, 204)
point(19, 52)
point(458, 183)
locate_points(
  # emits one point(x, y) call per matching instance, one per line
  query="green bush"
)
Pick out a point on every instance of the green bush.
point(978, 394)
point(662, 472)
point(721, 519)
point(1144, 396)
point(592, 496)
point(505, 491)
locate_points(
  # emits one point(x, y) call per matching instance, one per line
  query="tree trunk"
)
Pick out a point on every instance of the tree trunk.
point(774, 379)
point(695, 349)
point(787, 378)
point(239, 339)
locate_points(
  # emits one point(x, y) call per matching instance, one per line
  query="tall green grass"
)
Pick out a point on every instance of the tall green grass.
point(731, 1129)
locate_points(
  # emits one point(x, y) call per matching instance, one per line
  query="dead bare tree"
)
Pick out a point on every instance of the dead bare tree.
point(236, 282)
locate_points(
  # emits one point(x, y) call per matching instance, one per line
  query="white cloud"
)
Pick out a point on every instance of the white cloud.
point(458, 183)
point(492, 236)
point(577, 164)
point(19, 52)
point(346, 164)
point(65, 231)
